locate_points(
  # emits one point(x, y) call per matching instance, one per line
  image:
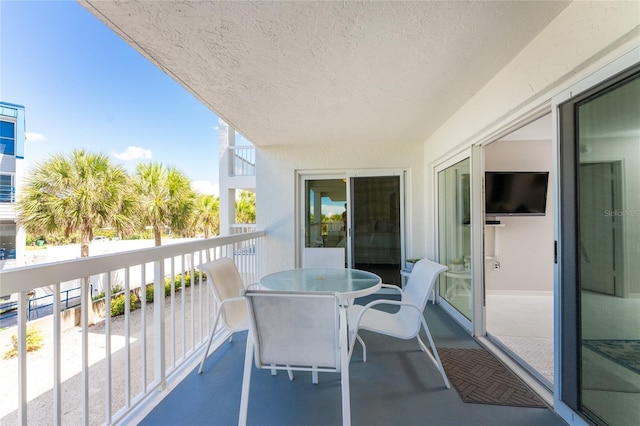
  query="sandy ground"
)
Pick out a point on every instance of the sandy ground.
point(40, 371)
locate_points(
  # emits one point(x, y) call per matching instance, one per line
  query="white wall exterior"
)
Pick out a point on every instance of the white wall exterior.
point(277, 198)
point(585, 37)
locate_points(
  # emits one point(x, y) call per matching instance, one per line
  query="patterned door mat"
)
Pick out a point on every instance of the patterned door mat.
point(480, 378)
point(623, 352)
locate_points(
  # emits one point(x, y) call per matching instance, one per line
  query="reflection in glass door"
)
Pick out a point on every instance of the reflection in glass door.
point(325, 213)
point(604, 126)
point(362, 218)
point(376, 229)
point(454, 230)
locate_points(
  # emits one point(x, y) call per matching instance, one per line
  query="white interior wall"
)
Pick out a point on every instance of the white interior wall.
point(524, 244)
point(276, 189)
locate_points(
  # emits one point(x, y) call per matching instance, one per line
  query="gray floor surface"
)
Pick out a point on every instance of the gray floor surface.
point(398, 385)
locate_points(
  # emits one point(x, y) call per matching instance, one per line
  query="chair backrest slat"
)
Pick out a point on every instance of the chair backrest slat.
point(323, 257)
point(225, 280)
point(421, 281)
point(295, 329)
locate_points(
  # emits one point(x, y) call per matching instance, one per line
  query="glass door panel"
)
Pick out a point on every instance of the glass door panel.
point(454, 230)
point(608, 249)
point(325, 213)
point(376, 242)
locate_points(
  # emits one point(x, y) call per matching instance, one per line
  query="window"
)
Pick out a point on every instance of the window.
point(7, 241)
point(7, 137)
point(7, 189)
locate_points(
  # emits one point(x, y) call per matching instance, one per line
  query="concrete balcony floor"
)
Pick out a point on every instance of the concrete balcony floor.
point(397, 385)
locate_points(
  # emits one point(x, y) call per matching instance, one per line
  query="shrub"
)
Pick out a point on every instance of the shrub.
point(148, 293)
point(114, 290)
point(178, 281)
point(118, 304)
point(34, 342)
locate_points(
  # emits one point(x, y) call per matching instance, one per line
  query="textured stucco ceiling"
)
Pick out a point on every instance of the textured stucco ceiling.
point(329, 72)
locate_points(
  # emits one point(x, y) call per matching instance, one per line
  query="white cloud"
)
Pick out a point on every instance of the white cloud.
point(206, 187)
point(133, 153)
point(34, 137)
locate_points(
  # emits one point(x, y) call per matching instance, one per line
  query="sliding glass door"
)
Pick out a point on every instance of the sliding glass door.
point(376, 226)
point(600, 147)
point(360, 213)
point(454, 235)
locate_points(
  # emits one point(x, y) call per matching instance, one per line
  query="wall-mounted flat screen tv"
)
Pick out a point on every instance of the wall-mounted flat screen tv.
point(516, 193)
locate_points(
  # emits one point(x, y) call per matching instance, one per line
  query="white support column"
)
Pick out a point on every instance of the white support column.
point(226, 136)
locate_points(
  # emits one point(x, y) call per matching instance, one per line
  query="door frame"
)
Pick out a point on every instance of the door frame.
point(566, 303)
point(467, 324)
point(347, 174)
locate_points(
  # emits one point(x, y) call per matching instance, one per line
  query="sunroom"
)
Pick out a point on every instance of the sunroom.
point(400, 115)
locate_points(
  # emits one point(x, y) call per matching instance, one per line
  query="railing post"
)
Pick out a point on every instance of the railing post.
point(85, 305)
point(22, 357)
point(158, 324)
point(57, 349)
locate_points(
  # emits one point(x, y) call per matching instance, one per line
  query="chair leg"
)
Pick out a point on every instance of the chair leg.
point(364, 348)
point(353, 346)
point(246, 382)
point(314, 377)
point(344, 371)
point(422, 345)
point(206, 352)
point(434, 356)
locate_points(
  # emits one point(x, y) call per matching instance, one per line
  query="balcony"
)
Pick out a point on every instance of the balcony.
point(145, 370)
point(242, 161)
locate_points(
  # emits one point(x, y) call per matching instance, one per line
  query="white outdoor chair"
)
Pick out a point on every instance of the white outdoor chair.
point(323, 257)
point(303, 331)
point(224, 280)
point(406, 323)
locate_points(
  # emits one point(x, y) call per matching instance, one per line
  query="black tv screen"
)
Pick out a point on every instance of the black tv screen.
point(516, 193)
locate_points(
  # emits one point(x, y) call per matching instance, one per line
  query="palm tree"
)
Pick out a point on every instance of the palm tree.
point(165, 197)
point(246, 207)
point(76, 194)
point(206, 214)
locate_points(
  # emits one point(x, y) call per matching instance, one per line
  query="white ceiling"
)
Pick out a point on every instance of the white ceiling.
point(329, 72)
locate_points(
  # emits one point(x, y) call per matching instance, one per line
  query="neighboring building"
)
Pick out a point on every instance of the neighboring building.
point(237, 171)
point(12, 135)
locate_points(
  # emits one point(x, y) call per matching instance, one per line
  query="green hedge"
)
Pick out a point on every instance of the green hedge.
point(118, 304)
point(177, 282)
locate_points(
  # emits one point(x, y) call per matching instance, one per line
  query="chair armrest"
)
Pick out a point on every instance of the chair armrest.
point(381, 302)
point(393, 287)
point(232, 299)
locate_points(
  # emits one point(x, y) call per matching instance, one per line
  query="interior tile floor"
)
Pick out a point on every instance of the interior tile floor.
point(524, 324)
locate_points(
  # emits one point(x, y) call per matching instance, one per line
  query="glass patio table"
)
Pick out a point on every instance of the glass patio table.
point(346, 283)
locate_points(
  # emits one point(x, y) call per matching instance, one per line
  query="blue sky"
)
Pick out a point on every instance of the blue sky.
point(84, 87)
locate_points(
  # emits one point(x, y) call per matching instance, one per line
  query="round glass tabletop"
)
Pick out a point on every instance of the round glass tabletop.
point(349, 283)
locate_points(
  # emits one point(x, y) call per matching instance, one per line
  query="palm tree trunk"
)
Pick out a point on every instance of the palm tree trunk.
point(158, 235)
point(85, 240)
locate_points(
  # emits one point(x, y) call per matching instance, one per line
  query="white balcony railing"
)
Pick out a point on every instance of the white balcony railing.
point(242, 228)
point(138, 359)
point(242, 161)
